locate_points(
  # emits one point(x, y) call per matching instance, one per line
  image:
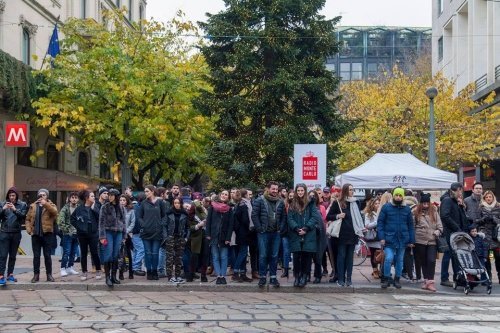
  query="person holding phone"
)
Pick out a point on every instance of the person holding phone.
point(12, 215)
point(40, 222)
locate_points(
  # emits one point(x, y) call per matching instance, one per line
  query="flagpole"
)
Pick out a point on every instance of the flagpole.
point(45, 56)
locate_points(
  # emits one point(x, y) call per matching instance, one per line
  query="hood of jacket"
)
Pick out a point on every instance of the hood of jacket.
point(12, 190)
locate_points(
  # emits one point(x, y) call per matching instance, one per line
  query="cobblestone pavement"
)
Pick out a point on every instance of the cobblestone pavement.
point(127, 311)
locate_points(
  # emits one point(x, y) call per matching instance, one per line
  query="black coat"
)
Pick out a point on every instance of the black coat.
point(347, 234)
point(219, 226)
point(183, 224)
point(85, 221)
point(152, 219)
point(241, 224)
point(452, 216)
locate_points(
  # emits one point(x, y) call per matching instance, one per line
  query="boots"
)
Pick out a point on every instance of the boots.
point(235, 277)
point(149, 275)
point(397, 284)
point(302, 281)
point(131, 275)
point(107, 270)
point(113, 272)
point(424, 284)
point(376, 273)
point(245, 278)
point(154, 275)
point(120, 275)
point(35, 278)
point(50, 278)
point(431, 286)
point(285, 273)
point(384, 282)
point(189, 277)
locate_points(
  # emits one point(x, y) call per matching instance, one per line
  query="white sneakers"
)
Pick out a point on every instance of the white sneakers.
point(68, 271)
point(83, 277)
point(98, 275)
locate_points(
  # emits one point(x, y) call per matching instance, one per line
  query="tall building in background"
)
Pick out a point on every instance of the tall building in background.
point(367, 52)
point(466, 49)
point(26, 27)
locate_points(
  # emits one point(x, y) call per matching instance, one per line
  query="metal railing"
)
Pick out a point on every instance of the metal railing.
point(481, 82)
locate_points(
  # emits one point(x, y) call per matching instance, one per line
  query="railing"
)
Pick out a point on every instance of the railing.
point(481, 82)
point(497, 73)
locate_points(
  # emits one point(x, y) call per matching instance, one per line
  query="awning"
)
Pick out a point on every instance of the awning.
point(33, 179)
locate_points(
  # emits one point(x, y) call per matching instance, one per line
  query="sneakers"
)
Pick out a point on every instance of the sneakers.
point(262, 281)
point(173, 280)
point(340, 284)
point(385, 282)
point(71, 271)
point(447, 283)
point(348, 283)
point(397, 284)
point(84, 277)
point(3, 282)
point(180, 280)
point(274, 282)
point(63, 272)
point(139, 273)
point(98, 275)
point(11, 278)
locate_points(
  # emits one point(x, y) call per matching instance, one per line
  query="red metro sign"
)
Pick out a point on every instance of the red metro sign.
point(16, 133)
point(310, 166)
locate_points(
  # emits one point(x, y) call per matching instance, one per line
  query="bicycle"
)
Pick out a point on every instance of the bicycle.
point(360, 252)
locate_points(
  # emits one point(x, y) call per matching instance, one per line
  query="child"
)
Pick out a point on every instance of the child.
point(481, 248)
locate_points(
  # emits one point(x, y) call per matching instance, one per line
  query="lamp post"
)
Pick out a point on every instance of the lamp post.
point(431, 93)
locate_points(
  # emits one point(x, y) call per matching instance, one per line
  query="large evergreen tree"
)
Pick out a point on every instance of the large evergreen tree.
point(271, 88)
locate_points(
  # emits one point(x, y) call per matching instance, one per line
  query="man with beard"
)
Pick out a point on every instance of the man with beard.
point(12, 215)
point(266, 225)
point(472, 209)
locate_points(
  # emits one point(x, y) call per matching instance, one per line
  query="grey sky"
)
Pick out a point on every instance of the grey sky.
point(411, 13)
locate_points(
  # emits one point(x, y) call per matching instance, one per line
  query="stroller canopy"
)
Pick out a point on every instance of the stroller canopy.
point(461, 241)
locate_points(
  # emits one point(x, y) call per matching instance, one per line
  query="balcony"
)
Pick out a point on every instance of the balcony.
point(481, 83)
point(497, 73)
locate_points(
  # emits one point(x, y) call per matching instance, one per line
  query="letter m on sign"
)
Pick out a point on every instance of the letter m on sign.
point(16, 133)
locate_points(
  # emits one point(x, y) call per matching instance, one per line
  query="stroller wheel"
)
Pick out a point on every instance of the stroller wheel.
point(488, 290)
point(466, 290)
point(455, 285)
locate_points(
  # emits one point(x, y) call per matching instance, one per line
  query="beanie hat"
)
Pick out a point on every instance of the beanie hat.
point(102, 189)
point(398, 191)
point(455, 186)
point(425, 197)
point(114, 192)
point(42, 190)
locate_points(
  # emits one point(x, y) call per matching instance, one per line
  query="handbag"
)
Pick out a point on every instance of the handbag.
point(333, 229)
point(370, 235)
point(379, 256)
point(442, 244)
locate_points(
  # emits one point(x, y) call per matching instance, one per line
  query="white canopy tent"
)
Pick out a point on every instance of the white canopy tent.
point(393, 170)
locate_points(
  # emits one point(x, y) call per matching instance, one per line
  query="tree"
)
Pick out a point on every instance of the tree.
point(393, 117)
point(129, 90)
point(270, 87)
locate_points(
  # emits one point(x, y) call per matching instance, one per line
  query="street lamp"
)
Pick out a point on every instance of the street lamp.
point(431, 93)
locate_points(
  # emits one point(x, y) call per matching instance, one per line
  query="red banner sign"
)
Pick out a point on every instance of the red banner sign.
point(309, 166)
point(17, 133)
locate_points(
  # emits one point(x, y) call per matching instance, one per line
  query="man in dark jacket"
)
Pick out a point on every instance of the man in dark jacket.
point(12, 215)
point(138, 251)
point(453, 217)
point(472, 210)
point(266, 225)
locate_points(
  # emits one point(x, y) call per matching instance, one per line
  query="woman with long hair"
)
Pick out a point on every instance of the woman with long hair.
point(219, 231)
point(428, 226)
point(490, 219)
point(112, 231)
point(126, 203)
point(347, 209)
point(320, 236)
point(197, 216)
point(370, 232)
point(177, 226)
point(86, 222)
point(151, 216)
point(242, 217)
point(303, 218)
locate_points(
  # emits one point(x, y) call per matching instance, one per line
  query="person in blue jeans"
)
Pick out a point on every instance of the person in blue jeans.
point(242, 213)
point(69, 236)
point(268, 237)
point(112, 232)
point(396, 232)
point(138, 250)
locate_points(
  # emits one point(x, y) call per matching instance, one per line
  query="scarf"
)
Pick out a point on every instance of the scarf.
point(270, 198)
point(357, 220)
point(489, 207)
point(247, 203)
point(220, 207)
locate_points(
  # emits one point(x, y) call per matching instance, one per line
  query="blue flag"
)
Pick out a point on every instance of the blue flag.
point(54, 44)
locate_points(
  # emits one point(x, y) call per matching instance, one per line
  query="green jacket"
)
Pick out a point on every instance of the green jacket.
point(64, 221)
point(309, 218)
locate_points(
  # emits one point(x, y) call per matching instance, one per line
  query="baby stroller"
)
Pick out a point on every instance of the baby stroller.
point(470, 266)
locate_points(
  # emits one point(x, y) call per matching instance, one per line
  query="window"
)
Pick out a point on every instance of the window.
point(83, 163)
point(440, 49)
point(345, 71)
point(104, 171)
point(84, 8)
point(440, 6)
point(351, 43)
point(372, 70)
point(52, 158)
point(26, 47)
point(24, 156)
point(356, 71)
point(379, 43)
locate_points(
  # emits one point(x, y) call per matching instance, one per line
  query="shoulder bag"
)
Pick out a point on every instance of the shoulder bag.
point(333, 228)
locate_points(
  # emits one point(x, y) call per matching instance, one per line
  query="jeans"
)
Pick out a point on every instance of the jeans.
point(186, 257)
point(220, 259)
point(240, 264)
point(162, 259)
point(109, 253)
point(38, 243)
point(286, 252)
point(92, 242)
point(9, 243)
point(69, 244)
point(151, 249)
point(138, 252)
point(445, 264)
point(345, 259)
point(398, 256)
point(269, 245)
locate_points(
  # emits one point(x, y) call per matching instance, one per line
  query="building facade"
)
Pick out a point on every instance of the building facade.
point(367, 52)
point(466, 49)
point(26, 27)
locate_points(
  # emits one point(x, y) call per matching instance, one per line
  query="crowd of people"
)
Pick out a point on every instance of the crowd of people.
point(182, 235)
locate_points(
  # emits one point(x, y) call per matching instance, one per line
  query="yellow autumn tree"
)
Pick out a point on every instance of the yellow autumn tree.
point(392, 116)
